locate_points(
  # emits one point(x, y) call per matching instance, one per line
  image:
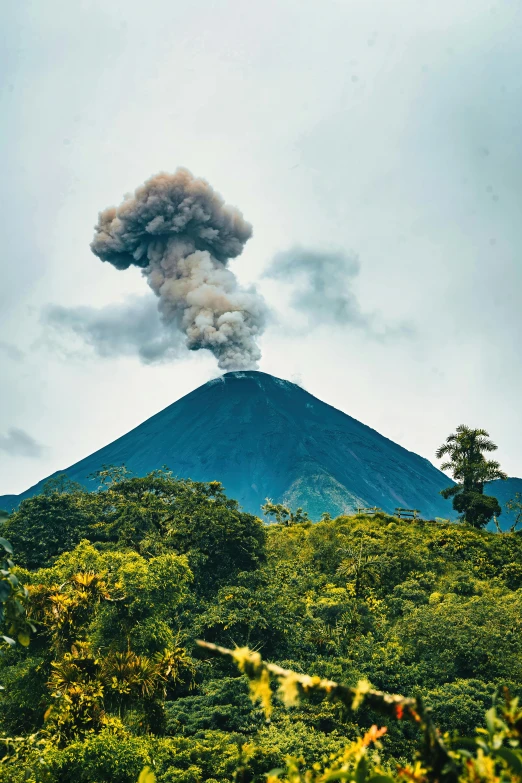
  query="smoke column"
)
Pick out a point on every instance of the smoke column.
point(180, 232)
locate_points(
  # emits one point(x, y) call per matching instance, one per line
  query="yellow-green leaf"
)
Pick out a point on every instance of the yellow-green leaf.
point(147, 776)
point(24, 638)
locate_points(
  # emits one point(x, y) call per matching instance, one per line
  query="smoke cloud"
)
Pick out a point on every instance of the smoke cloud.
point(18, 443)
point(126, 329)
point(322, 289)
point(11, 351)
point(322, 283)
point(180, 232)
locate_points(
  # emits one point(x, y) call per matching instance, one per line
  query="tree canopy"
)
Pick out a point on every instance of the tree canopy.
point(465, 452)
point(151, 514)
point(106, 678)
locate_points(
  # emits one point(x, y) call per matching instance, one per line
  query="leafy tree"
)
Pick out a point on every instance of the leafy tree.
point(152, 514)
point(476, 508)
point(282, 514)
point(85, 689)
point(465, 450)
point(221, 704)
point(515, 505)
point(46, 525)
point(158, 513)
point(461, 637)
point(14, 619)
point(360, 566)
point(13, 601)
point(90, 602)
point(459, 706)
point(62, 485)
point(108, 475)
point(218, 538)
point(113, 599)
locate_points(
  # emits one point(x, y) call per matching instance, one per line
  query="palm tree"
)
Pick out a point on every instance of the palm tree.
point(283, 513)
point(362, 567)
point(130, 675)
point(465, 450)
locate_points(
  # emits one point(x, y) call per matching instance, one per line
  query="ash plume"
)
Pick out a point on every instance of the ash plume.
point(180, 232)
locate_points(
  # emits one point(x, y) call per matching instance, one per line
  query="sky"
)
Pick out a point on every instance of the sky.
point(376, 149)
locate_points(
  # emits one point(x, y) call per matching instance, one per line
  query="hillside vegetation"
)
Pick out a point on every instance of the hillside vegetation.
point(123, 581)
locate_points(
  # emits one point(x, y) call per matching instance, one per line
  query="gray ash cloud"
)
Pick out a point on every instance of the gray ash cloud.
point(180, 232)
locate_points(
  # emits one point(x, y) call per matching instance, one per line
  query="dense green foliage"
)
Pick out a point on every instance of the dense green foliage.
point(496, 752)
point(465, 452)
point(123, 581)
point(152, 514)
point(13, 600)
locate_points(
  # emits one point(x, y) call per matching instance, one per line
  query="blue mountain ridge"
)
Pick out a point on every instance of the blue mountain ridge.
point(262, 437)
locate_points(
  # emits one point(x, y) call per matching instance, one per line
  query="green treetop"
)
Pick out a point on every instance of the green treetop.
point(465, 451)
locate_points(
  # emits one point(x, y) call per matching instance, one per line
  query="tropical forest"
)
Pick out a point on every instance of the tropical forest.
point(154, 631)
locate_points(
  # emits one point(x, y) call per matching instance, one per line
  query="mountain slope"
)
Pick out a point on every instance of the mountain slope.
point(504, 491)
point(265, 437)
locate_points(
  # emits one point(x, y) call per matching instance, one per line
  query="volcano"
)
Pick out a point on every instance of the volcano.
point(263, 437)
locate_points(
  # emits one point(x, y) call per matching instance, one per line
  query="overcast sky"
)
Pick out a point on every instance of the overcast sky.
point(378, 142)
